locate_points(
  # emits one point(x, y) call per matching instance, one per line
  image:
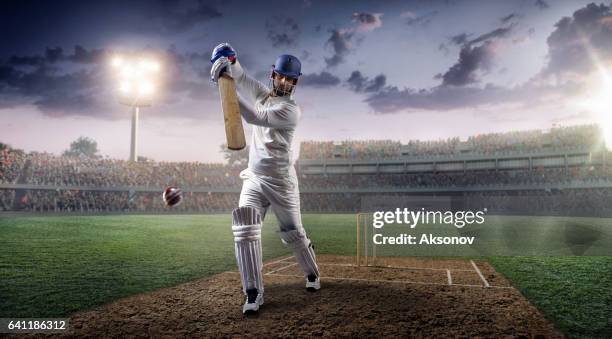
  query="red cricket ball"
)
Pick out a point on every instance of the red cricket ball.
point(172, 196)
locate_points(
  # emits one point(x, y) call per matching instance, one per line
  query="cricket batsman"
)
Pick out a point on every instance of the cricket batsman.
point(270, 179)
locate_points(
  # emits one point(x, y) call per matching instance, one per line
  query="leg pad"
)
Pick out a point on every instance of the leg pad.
point(303, 250)
point(247, 244)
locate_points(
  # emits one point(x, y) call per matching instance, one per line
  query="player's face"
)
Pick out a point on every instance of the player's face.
point(283, 84)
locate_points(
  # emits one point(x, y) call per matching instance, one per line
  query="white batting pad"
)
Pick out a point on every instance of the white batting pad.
point(302, 249)
point(247, 243)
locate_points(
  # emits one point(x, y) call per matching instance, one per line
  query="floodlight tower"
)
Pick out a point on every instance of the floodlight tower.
point(137, 83)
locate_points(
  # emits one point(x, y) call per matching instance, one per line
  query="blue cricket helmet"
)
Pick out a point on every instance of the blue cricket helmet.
point(288, 65)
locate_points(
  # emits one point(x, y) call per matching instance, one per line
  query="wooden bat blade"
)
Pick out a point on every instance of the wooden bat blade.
point(234, 131)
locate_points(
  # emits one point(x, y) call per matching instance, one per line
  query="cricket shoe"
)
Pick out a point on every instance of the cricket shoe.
point(253, 301)
point(313, 283)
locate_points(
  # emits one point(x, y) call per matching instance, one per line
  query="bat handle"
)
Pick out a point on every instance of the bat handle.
point(222, 72)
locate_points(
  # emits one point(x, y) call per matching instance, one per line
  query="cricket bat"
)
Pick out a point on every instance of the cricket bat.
point(231, 113)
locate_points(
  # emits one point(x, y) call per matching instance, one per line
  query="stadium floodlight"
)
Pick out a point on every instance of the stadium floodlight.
point(600, 103)
point(597, 102)
point(606, 113)
point(137, 77)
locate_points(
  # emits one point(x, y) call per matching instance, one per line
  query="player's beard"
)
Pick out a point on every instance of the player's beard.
point(280, 89)
point(276, 92)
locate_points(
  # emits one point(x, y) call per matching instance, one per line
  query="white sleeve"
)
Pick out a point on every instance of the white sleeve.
point(248, 85)
point(281, 115)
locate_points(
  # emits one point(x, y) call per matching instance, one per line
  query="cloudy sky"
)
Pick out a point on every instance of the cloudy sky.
point(397, 70)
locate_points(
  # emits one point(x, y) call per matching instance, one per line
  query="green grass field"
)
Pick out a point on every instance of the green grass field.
point(52, 266)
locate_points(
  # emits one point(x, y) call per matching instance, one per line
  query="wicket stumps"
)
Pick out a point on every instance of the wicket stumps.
point(362, 229)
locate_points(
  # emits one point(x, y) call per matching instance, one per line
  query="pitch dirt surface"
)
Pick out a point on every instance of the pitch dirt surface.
point(411, 297)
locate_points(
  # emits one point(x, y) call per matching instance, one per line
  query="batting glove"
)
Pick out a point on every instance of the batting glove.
point(220, 67)
point(223, 50)
point(222, 56)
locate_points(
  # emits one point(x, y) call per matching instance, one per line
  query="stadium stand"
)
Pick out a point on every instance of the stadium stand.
point(559, 171)
point(581, 136)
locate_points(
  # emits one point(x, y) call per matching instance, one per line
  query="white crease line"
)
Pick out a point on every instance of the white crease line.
point(277, 261)
point(280, 269)
point(393, 281)
point(401, 267)
point(450, 278)
point(486, 283)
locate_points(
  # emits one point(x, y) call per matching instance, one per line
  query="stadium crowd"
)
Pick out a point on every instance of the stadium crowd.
point(11, 165)
point(589, 202)
point(491, 143)
point(6, 200)
point(313, 182)
point(122, 201)
point(592, 202)
point(421, 148)
point(47, 169)
point(480, 178)
point(360, 149)
point(132, 186)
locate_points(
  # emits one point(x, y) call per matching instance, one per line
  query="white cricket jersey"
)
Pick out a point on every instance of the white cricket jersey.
point(274, 120)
